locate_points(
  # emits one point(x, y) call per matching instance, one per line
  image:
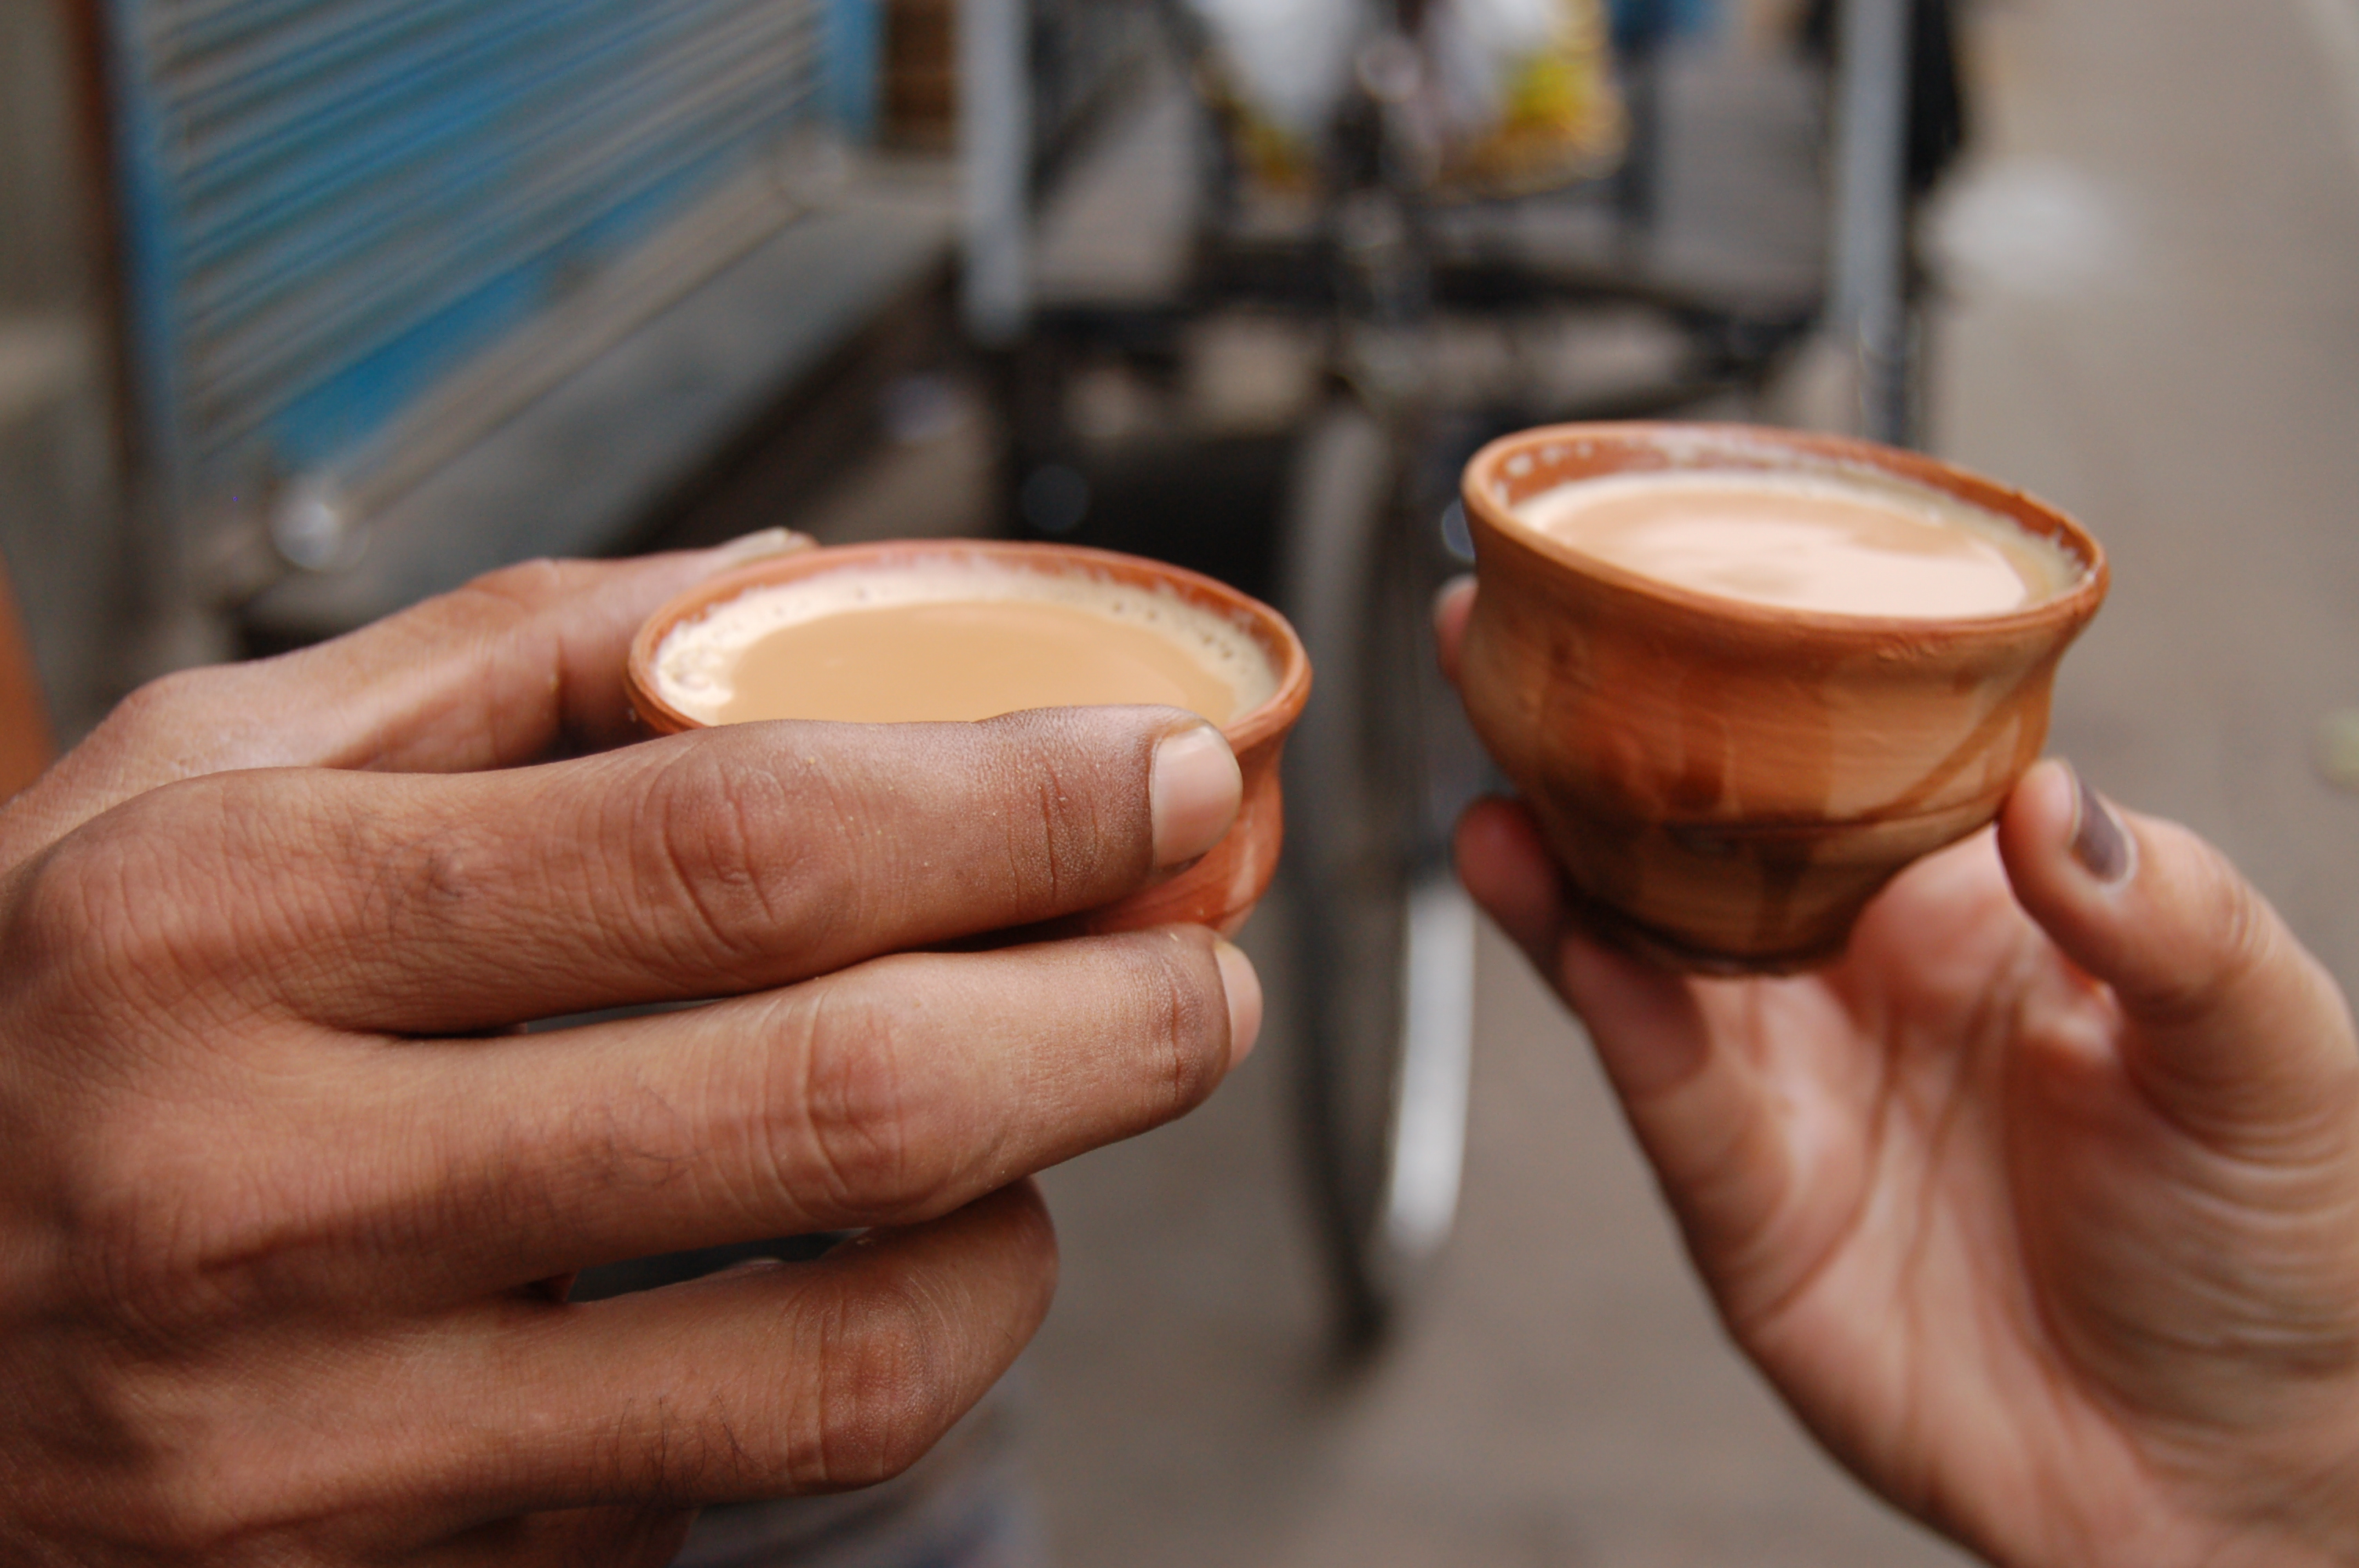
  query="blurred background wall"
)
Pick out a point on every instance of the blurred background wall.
point(61, 461)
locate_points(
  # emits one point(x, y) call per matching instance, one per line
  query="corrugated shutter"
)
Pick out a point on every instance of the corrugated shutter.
point(332, 205)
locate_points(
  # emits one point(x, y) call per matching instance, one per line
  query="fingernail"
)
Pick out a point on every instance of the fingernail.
point(2099, 842)
point(1243, 987)
point(1192, 792)
point(759, 546)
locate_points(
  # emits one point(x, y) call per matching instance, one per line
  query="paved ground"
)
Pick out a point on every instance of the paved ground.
point(2157, 323)
point(2159, 327)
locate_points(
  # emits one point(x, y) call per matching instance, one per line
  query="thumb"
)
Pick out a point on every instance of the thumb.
point(2235, 1031)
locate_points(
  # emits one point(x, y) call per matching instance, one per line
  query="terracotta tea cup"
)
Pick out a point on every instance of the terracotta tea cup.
point(1728, 784)
point(1220, 890)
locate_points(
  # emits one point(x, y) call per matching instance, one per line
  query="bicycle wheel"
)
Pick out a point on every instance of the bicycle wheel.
point(1375, 774)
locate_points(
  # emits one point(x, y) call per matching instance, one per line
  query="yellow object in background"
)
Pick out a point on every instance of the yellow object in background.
point(1501, 97)
point(2337, 750)
point(1526, 92)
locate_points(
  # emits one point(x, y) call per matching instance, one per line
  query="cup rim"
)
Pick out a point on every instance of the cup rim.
point(1483, 478)
point(1271, 717)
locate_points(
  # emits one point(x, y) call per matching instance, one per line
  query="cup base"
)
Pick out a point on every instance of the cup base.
point(1620, 932)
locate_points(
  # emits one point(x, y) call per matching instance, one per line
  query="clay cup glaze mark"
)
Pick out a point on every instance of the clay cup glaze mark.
point(1727, 784)
point(1221, 888)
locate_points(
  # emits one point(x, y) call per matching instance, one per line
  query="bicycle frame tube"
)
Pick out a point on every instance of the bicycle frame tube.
point(995, 143)
point(1869, 243)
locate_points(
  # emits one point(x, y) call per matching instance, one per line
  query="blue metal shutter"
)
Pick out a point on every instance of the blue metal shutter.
point(332, 205)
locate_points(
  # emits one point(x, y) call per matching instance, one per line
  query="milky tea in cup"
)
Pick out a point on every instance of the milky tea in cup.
point(965, 630)
point(948, 641)
point(1823, 542)
point(1742, 676)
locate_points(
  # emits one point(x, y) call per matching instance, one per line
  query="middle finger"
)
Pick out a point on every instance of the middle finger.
point(884, 1095)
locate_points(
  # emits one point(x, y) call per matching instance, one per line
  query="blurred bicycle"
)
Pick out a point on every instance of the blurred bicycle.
point(1455, 200)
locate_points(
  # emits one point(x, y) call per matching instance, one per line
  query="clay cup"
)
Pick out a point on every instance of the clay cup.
point(1219, 890)
point(1728, 785)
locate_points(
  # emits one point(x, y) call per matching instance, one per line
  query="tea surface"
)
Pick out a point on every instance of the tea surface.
point(1812, 541)
point(916, 661)
point(953, 644)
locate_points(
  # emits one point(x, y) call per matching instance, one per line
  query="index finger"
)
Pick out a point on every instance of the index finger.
point(496, 673)
point(1711, 1120)
point(710, 864)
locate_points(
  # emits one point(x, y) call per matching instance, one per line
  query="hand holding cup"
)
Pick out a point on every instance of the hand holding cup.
point(965, 629)
point(285, 1189)
point(2039, 1203)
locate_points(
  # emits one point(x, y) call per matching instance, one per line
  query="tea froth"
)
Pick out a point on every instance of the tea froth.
point(1829, 543)
point(953, 641)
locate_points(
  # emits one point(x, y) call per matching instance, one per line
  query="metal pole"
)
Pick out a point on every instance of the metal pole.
point(1870, 238)
point(995, 148)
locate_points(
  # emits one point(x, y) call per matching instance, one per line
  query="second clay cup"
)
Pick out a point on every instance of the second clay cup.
point(1727, 784)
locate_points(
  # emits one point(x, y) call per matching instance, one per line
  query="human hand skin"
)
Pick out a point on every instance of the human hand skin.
point(284, 1190)
point(2041, 1207)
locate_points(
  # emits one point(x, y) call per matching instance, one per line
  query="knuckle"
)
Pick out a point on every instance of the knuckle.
point(885, 1391)
point(132, 1247)
point(495, 604)
point(1183, 1017)
point(721, 840)
point(182, 1511)
point(442, 872)
point(1059, 846)
point(1068, 836)
point(176, 1460)
point(57, 915)
point(210, 883)
point(136, 1175)
point(428, 882)
point(2237, 937)
point(105, 915)
point(850, 1130)
point(157, 704)
point(516, 591)
point(165, 1225)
